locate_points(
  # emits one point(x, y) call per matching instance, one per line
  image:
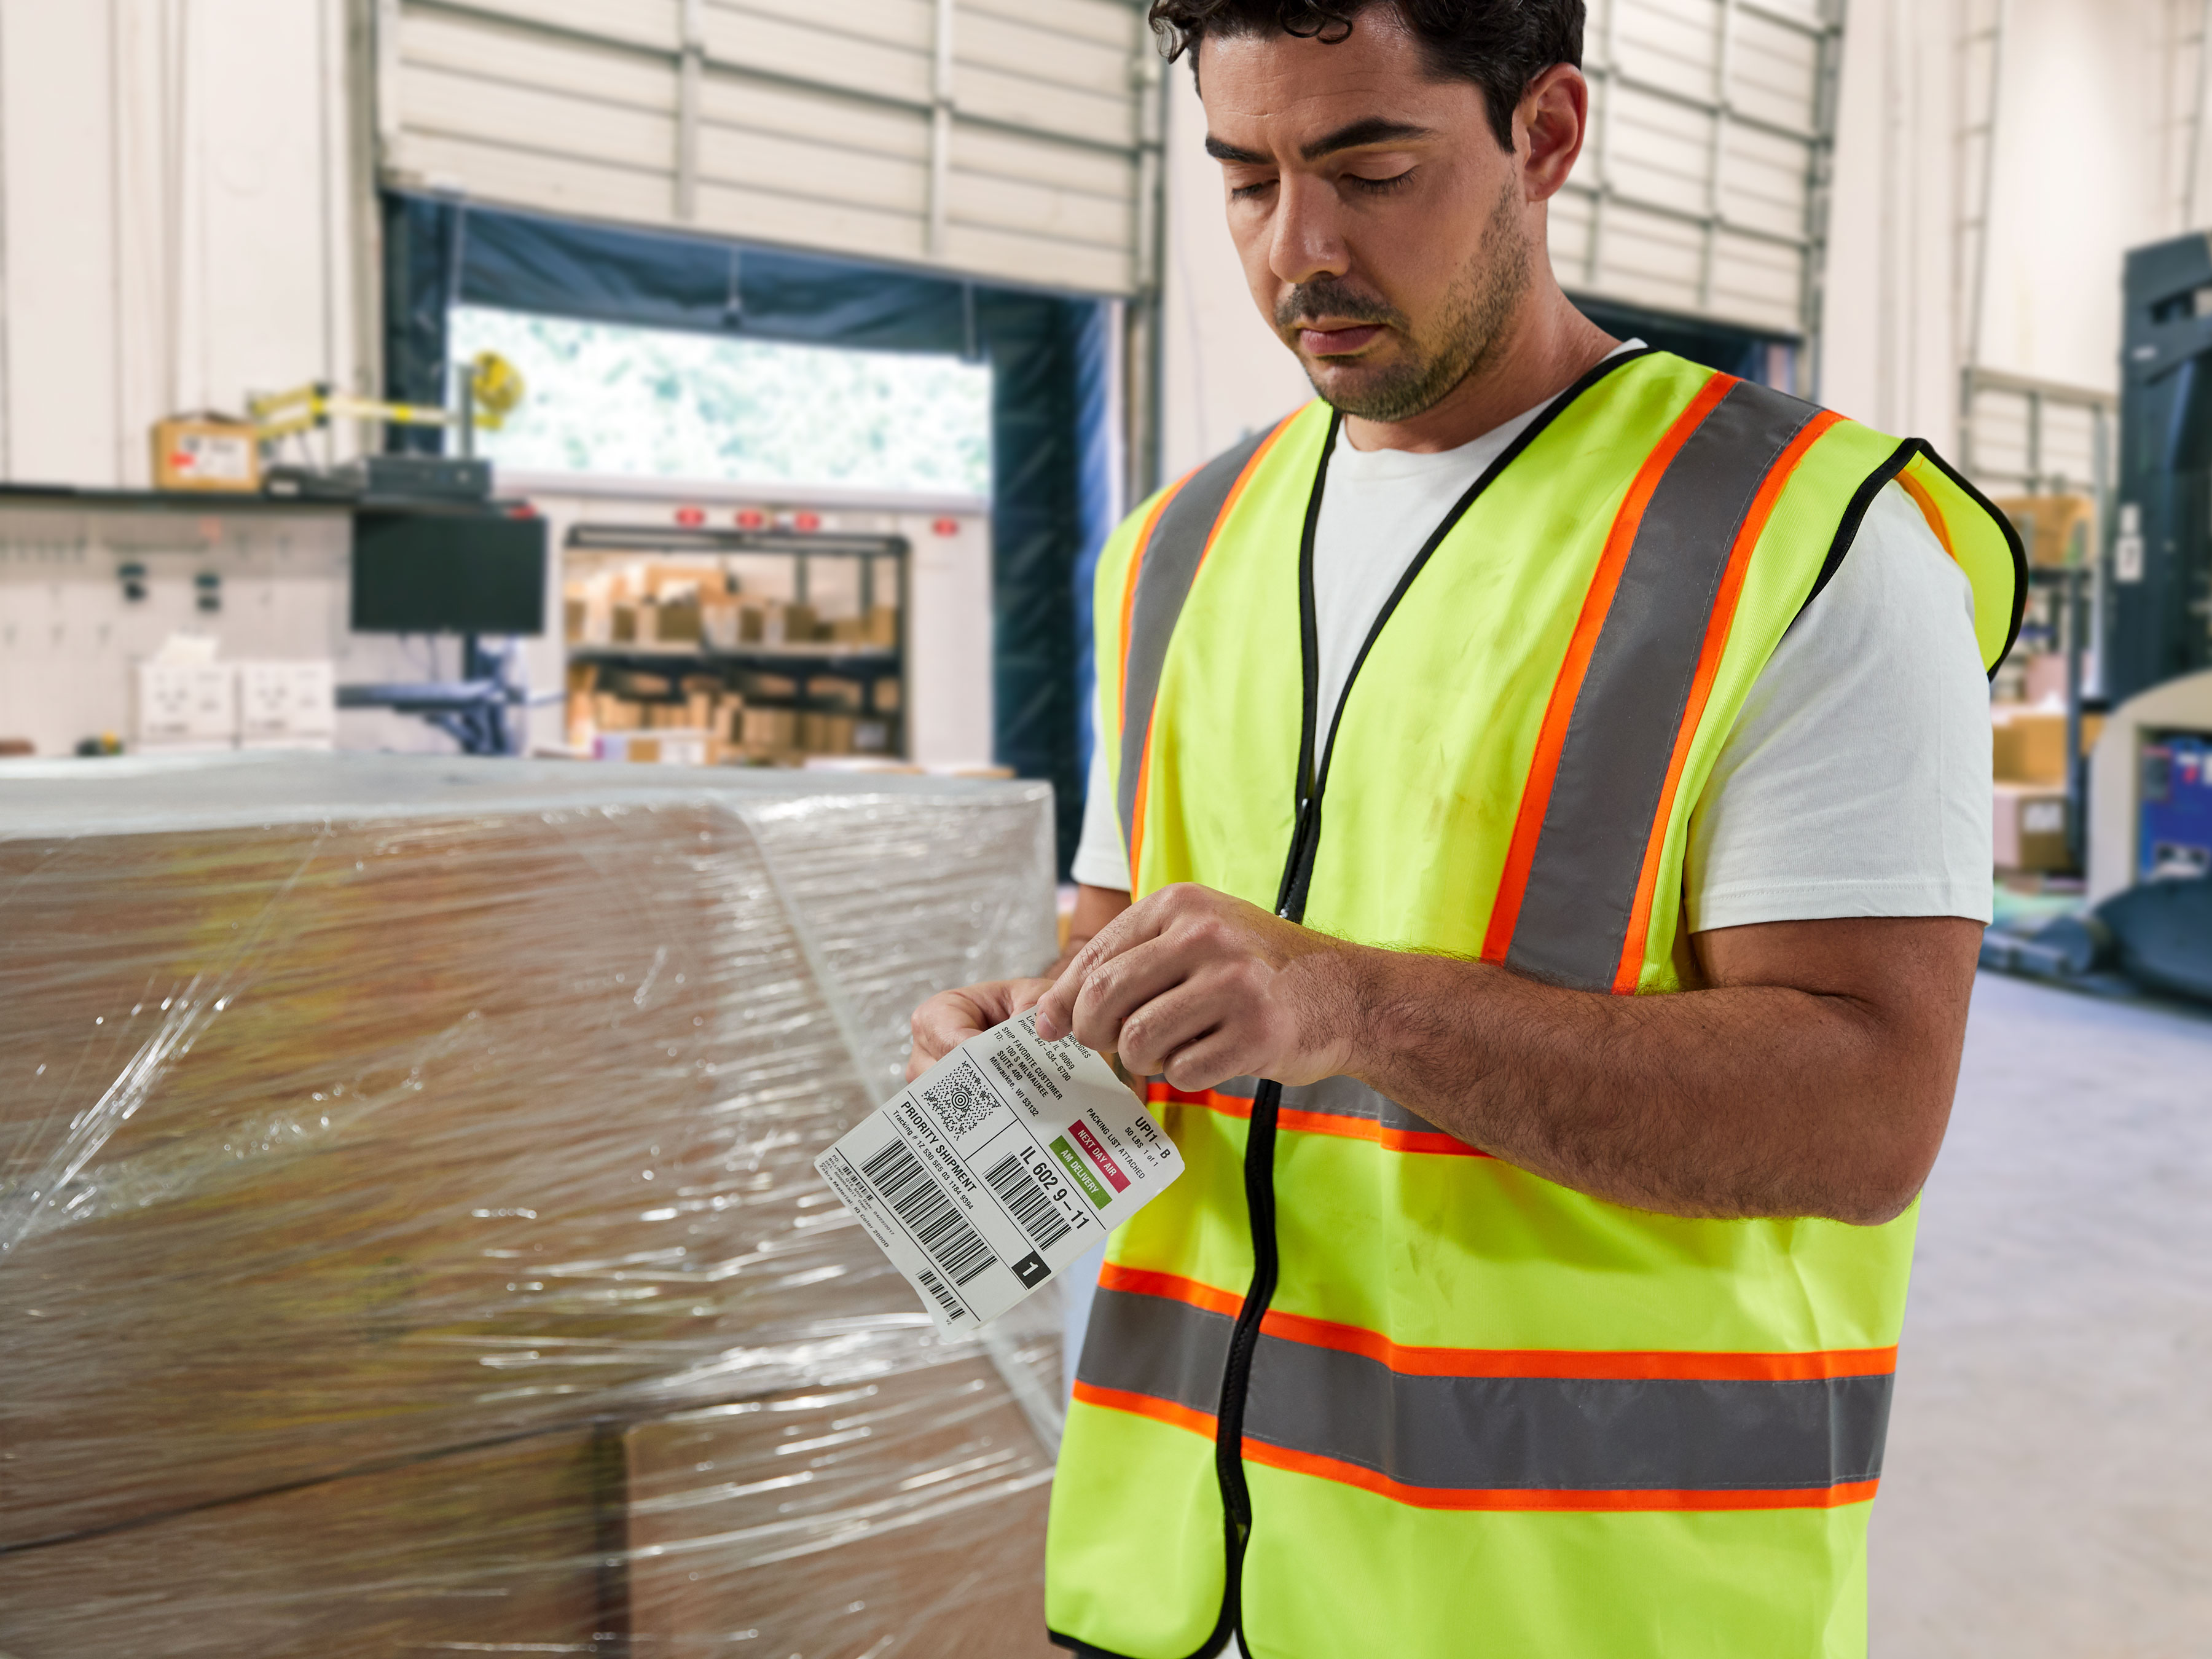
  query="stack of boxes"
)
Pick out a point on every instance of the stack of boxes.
point(2028, 711)
point(409, 1236)
point(725, 710)
point(679, 605)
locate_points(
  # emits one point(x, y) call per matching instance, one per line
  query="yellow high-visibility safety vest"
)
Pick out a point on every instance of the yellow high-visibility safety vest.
point(1350, 1386)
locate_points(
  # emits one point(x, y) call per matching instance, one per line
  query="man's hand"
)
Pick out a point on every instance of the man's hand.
point(950, 1018)
point(1199, 987)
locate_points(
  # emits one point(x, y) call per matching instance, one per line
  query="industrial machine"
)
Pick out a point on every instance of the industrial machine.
point(2159, 597)
point(2148, 920)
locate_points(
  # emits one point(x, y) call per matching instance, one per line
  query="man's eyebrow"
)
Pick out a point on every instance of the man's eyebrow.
point(1374, 130)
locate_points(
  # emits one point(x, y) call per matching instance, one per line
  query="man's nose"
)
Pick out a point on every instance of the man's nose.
point(1306, 240)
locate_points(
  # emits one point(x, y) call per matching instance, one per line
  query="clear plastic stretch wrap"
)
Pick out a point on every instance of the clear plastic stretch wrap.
point(409, 1239)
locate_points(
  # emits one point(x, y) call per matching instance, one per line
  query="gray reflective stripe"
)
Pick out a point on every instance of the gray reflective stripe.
point(1168, 562)
point(1345, 1097)
point(1150, 1346)
point(1499, 1434)
point(1580, 892)
point(1566, 1434)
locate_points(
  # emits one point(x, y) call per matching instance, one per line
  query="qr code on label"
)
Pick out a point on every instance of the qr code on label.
point(961, 1100)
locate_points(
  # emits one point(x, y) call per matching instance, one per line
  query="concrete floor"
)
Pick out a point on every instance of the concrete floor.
point(2048, 1493)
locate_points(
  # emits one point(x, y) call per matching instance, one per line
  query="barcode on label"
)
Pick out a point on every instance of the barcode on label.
point(1018, 1190)
point(935, 1221)
point(946, 1299)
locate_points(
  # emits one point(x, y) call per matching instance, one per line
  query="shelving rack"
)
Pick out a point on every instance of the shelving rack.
point(871, 665)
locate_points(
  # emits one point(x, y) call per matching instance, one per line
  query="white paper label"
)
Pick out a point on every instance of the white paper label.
point(1003, 1163)
point(2128, 559)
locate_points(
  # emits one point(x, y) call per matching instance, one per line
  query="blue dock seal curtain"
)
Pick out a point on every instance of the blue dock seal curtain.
point(1052, 490)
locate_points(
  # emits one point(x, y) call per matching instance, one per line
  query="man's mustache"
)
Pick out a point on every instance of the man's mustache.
point(1327, 296)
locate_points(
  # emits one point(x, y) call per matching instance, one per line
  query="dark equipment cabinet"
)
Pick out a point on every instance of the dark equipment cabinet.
point(2159, 615)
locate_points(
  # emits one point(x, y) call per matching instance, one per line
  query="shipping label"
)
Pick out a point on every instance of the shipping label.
point(999, 1166)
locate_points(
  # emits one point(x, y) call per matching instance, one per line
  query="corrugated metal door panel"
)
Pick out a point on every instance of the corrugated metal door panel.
point(798, 220)
point(508, 54)
point(1108, 23)
point(910, 24)
point(521, 178)
point(988, 153)
point(826, 55)
point(1694, 191)
point(1036, 262)
point(1014, 154)
point(802, 167)
point(656, 25)
point(744, 103)
point(548, 125)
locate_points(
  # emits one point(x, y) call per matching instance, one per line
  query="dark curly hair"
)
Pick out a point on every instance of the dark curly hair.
point(1502, 46)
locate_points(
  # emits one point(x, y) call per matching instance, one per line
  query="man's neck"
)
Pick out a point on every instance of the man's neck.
point(1547, 347)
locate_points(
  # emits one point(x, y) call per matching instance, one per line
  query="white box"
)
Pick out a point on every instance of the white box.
point(287, 704)
point(194, 703)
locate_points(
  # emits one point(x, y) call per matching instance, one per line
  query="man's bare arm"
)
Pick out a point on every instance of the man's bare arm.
point(1812, 1079)
point(950, 1018)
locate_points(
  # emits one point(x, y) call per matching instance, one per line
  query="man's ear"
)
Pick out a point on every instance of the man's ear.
point(1552, 121)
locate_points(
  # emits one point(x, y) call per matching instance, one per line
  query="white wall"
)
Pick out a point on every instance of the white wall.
point(175, 220)
point(2081, 174)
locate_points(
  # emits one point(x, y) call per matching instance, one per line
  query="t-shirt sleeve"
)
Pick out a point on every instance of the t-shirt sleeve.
point(1099, 859)
point(1856, 780)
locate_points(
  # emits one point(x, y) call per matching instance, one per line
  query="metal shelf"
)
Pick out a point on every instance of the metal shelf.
point(853, 662)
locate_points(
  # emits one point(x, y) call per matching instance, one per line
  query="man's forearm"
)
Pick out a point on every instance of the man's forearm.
point(1754, 1100)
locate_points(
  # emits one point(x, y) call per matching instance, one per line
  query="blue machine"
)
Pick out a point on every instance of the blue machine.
point(2175, 826)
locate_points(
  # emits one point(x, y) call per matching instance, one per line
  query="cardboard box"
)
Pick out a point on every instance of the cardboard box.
point(675, 621)
point(881, 625)
point(951, 1561)
point(206, 452)
point(2027, 745)
point(770, 728)
point(495, 1551)
point(373, 1203)
point(2056, 529)
point(2030, 823)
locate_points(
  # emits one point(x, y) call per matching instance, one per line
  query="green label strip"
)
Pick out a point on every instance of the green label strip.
point(1080, 1173)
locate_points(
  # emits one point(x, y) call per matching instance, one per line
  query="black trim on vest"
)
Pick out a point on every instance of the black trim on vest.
point(1855, 512)
point(1297, 884)
point(1862, 503)
point(2011, 540)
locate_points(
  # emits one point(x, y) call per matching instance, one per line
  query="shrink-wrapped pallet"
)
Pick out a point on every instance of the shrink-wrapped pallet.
point(405, 1166)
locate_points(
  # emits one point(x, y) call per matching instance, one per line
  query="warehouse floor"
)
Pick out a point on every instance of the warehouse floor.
point(2049, 1484)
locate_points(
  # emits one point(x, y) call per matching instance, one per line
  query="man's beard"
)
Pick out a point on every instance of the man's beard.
point(1469, 335)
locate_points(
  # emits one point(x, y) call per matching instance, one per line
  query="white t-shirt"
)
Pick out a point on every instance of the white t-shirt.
point(1856, 782)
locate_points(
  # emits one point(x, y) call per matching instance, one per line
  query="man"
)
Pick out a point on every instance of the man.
point(1552, 781)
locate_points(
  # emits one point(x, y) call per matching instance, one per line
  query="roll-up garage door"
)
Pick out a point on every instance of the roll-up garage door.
point(1701, 189)
point(1011, 140)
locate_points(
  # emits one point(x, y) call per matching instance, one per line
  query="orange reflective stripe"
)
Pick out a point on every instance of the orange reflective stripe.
point(1606, 1364)
point(1128, 607)
point(1566, 1500)
point(1145, 1405)
point(1929, 510)
point(1708, 664)
point(1433, 1142)
point(1174, 1287)
point(1536, 795)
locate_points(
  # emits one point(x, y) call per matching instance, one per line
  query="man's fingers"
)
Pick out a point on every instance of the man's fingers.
point(1165, 1025)
point(1117, 987)
point(1140, 922)
point(950, 1018)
